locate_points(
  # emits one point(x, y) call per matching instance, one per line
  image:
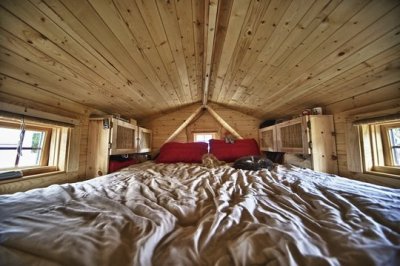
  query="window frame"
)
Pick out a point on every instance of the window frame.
point(50, 159)
point(213, 133)
point(44, 157)
point(376, 152)
point(387, 147)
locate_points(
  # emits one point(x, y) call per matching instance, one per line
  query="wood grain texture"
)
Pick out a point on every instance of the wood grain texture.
point(163, 126)
point(269, 58)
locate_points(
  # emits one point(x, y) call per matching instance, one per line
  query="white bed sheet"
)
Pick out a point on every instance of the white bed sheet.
point(186, 214)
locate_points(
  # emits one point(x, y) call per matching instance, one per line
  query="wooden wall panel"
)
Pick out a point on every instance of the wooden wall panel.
point(163, 126)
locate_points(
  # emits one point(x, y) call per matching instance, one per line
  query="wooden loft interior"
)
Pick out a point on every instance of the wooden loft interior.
point(157, 61)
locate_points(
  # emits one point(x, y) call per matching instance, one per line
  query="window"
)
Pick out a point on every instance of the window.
point(381, 147)
point(34, 148)
point(394, 144)
point(391, 143)
point(203, 136)
point(43, 148)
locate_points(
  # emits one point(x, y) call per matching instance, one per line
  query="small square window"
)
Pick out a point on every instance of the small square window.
point(203, 137)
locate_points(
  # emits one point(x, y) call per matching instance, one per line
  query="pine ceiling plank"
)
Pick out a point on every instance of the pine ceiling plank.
point(170, 23)
point(147, 62)
point(253, 19)
point(154, 24)
point(275, 10)
point(283, 82)
point(34, 56)
point(20, 89)
point(287, 22)
point(21, 102)
point(184, 12)
point(38, 40)
point(209, 36)
point(198, 11)
point(160, 54)
point(236, 20)
point(164, 68)
point(345, 34)
point(72, 26)
point(366, 69)
point(298, 89)
point(381, 76)
point(308, 24)
point(338, 59)
point(29, 72)
point(391, 91)
point(316, 15)
point(329, 25)
point(133, 64)
point(327, 54)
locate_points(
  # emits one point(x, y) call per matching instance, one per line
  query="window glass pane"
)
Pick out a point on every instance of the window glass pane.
point(34, 140)
point(7, 158)
point(31, 152)
point(198, 137)
point(9, 138)
point(394, 134)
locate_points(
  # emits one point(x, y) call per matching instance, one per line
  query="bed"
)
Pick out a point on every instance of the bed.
point(188, 214)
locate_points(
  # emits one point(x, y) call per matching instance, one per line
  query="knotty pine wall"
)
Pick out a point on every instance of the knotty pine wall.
point(47, 102)
point(163, 126)
point(378, 100)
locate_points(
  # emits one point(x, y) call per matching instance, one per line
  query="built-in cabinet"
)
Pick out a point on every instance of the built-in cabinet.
point(111, 136)
point(268, 139)
point(309, 135)
point(144, 140)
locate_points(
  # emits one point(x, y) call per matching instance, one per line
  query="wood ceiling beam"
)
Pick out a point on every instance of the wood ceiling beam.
point(211, 19)
point(223, 122)
point(185, 124)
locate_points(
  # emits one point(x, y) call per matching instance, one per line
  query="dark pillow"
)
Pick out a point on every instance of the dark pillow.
point(229, 152)
point(175, 152)
point(253, 163)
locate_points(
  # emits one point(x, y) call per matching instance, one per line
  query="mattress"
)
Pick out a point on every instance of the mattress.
point(186, 214)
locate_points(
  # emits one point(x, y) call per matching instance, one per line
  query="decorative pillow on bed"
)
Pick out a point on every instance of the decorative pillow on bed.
point(175, 152)
point(253, 163)
point(229, 152)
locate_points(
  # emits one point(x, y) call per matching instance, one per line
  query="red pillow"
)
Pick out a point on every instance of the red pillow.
point(229, 152)
point(116, 165)
point(175, 152)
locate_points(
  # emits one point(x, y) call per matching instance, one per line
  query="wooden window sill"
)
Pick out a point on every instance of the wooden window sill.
point(389, 175)
point(30, 173)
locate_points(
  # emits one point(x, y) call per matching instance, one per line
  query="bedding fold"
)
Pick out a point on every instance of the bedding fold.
point(186, 214)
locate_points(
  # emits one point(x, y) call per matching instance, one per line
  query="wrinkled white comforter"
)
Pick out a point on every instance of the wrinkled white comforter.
point(182, 214)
